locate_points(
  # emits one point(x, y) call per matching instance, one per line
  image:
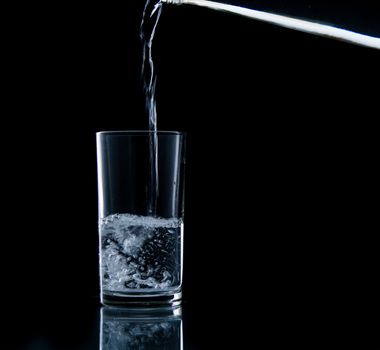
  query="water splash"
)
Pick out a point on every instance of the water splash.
point(140, 253)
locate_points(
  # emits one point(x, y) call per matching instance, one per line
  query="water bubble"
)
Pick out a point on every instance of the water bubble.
point(138, 256)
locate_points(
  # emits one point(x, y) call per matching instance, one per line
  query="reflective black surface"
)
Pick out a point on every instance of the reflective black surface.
point(204, 325)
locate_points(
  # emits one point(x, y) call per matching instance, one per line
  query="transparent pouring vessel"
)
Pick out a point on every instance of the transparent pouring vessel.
point(356, 22)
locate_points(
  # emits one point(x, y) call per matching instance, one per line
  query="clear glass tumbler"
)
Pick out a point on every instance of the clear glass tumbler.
point(141, 205)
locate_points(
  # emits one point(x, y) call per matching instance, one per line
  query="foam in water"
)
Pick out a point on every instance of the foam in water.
point(140, 253)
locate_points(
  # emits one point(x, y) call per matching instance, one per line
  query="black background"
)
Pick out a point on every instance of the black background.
point(282, 181)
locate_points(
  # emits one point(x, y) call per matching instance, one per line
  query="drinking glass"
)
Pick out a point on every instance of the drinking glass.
point(141, 206)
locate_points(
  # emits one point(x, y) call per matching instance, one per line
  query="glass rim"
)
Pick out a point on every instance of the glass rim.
point(138, 132)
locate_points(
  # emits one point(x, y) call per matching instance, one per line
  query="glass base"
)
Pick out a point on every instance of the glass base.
point(151, 299)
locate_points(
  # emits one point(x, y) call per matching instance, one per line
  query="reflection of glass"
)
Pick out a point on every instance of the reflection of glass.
point(141, 328)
